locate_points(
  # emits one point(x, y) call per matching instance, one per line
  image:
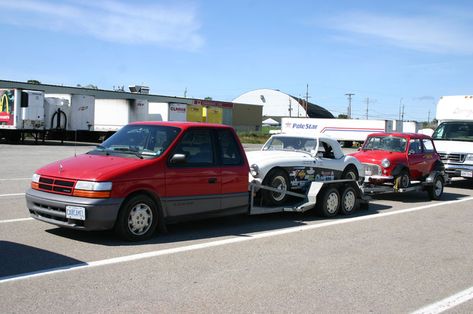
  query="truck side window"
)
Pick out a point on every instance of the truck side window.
point(230, 154)
point(197, 146)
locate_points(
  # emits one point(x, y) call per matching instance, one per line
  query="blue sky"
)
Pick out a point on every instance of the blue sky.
point(392, 52)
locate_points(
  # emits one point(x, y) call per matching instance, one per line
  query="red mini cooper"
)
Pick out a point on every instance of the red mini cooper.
point(398, 158)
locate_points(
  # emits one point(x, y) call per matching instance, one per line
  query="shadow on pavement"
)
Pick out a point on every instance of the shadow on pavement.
point(19, 259)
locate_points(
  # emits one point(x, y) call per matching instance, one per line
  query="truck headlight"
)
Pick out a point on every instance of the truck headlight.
point(35, 181)
point(385, 163)
point(469, 157)
point(254, 170)
point(93, 189)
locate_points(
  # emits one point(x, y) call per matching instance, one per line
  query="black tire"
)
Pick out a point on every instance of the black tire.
point(330, 202)
point(349, 201)
point(402, 181)
point(137, 219)
point(436, 190)
point(279, 179)
point(350, 172)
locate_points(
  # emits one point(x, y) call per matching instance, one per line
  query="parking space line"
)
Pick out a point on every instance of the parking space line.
point(238, 239)
point(15, 179)
point(447, 303)
point(15, 220)
point(13, 194)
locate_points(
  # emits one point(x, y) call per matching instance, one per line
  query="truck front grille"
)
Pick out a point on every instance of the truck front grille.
point(452, 157)
point(372, 170)
point(58, 186)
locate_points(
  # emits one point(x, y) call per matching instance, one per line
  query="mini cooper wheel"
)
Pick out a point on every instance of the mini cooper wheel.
point(330, 202)
point(349, 201)
point(137, 219)
point(402, 181)
point(436, 190)
point(277, 179)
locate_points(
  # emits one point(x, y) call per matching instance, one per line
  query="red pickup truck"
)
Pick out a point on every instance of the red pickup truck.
point(146, 174)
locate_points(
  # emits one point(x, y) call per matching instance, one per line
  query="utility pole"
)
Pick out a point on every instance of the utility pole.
point(306, 100)
point(290, 107)
point(400, 105)
point(349, 104)
point(428, 117)
point(185, 92)
point(367, 106)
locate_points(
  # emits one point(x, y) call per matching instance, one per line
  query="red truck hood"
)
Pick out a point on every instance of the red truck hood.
point(376, 156)
point(91, 167)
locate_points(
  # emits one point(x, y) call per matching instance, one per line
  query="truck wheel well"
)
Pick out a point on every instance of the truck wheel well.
point(156, 200)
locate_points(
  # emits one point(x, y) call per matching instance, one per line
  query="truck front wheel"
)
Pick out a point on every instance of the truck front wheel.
point(137, 219)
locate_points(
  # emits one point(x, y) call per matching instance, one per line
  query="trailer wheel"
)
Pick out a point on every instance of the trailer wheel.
point(349, 201)
point(278, 179)
point(330, 202)
point(402, 181)
point(350, 172)
point(137, 218)
point(436, 190)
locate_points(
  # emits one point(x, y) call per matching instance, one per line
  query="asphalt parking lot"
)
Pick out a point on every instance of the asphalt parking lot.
point(404, 254)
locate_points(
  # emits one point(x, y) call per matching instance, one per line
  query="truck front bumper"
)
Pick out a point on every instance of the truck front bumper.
point(455, 170)
point(100, 214)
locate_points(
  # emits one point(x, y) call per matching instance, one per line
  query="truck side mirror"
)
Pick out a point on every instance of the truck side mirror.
point(178, 159)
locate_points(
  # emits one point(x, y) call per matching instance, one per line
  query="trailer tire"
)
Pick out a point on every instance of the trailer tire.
point(436, 190)
point(349, 201)
point(350, 172)
point(137, 219)
point(330, 202)
point(278, 179)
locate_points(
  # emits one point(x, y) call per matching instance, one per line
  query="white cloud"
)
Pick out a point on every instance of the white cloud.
point(111, 20)
point(434, 33)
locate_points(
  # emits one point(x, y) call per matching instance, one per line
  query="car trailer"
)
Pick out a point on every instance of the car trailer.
point(328, 197)
point(433, 185)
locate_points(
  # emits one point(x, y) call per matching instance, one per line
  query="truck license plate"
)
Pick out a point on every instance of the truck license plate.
point(465, 173)
point(75, 212)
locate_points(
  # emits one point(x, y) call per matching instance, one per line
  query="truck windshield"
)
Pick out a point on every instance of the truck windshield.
point(291, 143)
point(454, 131)
point(139, 140)
point(388, 143)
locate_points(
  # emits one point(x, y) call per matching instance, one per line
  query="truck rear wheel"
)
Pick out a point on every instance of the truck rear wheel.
point(137, 218)
point(330, 202)
point(436, 190)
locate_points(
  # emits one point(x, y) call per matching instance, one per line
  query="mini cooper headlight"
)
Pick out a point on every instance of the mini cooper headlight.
point(254, 170)
point(385, 163)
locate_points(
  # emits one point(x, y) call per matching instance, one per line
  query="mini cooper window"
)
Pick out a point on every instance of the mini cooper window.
point(428, 146)
point(387, 143)
point(415, 146)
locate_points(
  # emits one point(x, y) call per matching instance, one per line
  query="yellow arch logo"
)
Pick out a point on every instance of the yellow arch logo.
point(4, 104)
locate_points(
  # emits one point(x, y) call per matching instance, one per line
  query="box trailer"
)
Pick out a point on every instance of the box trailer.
point(344, 130)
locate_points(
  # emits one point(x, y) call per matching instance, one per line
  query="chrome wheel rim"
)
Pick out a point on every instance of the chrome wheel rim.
point(438, 188)
point(349, 201)
point(332, 203)
point(140, 219)
point(279, 182)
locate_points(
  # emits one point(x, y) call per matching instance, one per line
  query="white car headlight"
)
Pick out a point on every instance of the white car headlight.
point(469, 157)
point(254, 170)
point(385, 163)
point(93, 186)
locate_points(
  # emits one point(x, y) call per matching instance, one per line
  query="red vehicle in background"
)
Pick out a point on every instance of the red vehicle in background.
point(401, 160)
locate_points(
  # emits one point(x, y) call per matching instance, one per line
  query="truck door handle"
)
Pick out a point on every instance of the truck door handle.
point(212, 180)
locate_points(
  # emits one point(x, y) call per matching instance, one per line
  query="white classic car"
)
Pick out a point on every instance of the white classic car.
point(289, 161)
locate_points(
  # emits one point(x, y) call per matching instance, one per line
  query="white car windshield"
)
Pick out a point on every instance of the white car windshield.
point(291, 143)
